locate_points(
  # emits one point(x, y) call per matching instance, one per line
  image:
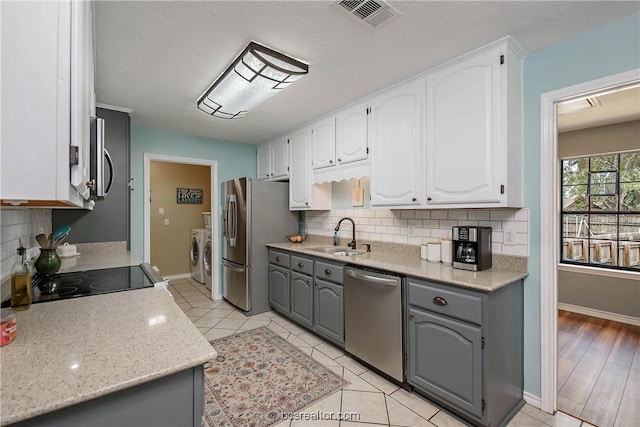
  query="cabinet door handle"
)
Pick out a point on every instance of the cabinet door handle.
point(412, 316)
point(429, 198)
point(300, 265)
point(414, 199)
point(308, 282)
point(327, 272)
point(330, 161)
point(440, 301)
point(339, 160)
point(278, 258)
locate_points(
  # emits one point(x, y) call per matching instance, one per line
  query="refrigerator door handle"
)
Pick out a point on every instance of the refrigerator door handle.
point(225, 218)
point(232, 267)
point(233, 226)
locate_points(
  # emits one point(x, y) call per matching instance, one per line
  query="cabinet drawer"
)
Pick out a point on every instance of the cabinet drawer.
point(329, 272)
point(445, 300)
point(279, 258)
point(302, 265)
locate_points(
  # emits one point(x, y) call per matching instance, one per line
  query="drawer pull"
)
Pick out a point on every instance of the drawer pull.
point(327, 272)
point(300, 265)
point(440, 301)
point(278, 258)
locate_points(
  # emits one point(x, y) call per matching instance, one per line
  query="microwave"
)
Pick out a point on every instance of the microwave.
point(99, 160)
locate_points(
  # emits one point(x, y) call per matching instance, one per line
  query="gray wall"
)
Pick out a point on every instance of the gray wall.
point(602, 139)
point(613, 295)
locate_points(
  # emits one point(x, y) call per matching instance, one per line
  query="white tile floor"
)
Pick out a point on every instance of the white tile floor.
point(377, 401)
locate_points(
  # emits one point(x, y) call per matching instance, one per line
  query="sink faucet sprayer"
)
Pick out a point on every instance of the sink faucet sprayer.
point(353, 244)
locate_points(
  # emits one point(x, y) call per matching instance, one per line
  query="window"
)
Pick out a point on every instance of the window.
point(601, 211)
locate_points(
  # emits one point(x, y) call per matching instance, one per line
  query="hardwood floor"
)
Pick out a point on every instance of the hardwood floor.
point(598, 370)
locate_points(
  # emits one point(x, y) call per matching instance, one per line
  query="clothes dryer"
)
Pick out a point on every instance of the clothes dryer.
point(208, 261)
point(198, 241)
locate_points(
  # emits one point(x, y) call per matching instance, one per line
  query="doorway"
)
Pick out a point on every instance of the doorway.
point(165, 217)
point(549, 220)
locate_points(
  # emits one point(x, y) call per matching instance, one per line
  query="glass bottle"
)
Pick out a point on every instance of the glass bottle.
point(21, 282)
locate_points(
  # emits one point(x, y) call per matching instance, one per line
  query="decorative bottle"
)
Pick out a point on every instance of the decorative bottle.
point(21, 282)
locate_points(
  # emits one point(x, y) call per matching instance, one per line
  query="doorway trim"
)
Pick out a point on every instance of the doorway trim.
point(549, 218)
point(213, 165)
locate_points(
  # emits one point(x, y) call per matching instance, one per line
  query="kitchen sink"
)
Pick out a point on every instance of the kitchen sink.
point(337, 251)
point(348, 253)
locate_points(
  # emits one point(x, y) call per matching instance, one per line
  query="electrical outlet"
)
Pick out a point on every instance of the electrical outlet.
point(161, 211)
point(166, 221)
point(508, 235)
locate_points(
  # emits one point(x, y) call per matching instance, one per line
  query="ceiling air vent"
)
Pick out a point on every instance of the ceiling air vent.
point(373, 12)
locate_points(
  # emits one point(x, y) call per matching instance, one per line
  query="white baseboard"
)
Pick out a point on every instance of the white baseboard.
point(599, 313)
point(532, 400)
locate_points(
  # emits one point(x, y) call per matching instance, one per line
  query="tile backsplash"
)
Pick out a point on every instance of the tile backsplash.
point(415, 227)
point(20, 223)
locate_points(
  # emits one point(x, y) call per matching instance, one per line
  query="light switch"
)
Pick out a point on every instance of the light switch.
point(166, 221)
point(161, 211)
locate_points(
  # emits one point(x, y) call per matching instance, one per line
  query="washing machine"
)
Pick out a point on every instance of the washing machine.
point(208, 261)
point(198, 242)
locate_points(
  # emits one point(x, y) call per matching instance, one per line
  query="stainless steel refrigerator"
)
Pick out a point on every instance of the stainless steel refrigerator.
point(255, 213)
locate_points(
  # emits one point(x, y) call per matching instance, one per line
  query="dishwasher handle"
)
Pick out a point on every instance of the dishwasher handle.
point(371, 279)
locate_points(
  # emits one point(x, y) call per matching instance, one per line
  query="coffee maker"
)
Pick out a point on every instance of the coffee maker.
point(472, 248)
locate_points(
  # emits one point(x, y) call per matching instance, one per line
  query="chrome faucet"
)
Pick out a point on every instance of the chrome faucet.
point(353, 244)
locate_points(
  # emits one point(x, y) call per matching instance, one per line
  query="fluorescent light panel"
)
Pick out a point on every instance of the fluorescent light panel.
point(256, 75)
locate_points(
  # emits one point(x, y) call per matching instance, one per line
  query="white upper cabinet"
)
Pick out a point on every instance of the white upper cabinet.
point(394, 135)
point(323, 143)
point(279, 158)
point(264, 161)
point(273, 160)
point(351, 134)
point(299, 183)
point(473, 142)
point(47, 100)
point(340, 139)
point(303, 194)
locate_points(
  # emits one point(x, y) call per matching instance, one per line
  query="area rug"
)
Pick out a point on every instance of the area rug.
point(258, 379)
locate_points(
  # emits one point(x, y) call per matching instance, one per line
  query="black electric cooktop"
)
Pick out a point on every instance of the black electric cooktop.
point(85, 283)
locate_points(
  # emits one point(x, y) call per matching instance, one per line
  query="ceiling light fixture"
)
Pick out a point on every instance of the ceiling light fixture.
point(256, 75)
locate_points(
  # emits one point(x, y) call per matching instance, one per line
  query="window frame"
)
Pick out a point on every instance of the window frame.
point(590, 212)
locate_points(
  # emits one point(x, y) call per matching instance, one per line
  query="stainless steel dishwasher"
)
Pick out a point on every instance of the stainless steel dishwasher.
point(373, 319)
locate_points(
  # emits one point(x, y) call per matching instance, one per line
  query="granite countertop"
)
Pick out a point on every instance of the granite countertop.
point(96, 256)
point(412, 265)
point(70, 351)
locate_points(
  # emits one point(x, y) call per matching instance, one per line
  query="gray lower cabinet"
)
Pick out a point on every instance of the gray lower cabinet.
point(302, 298)
point(174, 400)
point(308, 291)
point(279, 289)
point(446, 359)
point(302, 290)
point(329, 311)
point(465, 349)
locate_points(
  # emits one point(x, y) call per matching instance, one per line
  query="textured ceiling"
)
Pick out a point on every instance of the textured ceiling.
point(157, 58)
